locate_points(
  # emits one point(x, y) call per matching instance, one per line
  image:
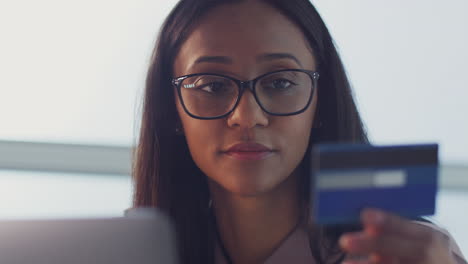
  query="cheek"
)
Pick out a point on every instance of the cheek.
point(294, 135)
point(298, 137)
point(295, 141)
point(202, 136)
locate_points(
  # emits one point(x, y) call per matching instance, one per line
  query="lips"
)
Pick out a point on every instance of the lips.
point(249, 151)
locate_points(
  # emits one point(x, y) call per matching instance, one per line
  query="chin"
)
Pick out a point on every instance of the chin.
point(249, 186)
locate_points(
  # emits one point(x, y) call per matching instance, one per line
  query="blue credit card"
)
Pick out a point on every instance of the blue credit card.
point(348, 177)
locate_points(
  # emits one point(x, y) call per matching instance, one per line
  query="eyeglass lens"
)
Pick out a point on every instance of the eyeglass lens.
point(279, 93)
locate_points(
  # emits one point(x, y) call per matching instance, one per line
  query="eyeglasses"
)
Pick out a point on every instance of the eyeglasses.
point(279, 93)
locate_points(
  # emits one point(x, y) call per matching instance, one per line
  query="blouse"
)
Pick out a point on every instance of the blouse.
point(295, 248)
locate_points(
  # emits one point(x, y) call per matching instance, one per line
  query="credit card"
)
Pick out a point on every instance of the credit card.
point(347, 178)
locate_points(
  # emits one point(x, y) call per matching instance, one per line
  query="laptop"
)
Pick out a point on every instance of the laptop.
point(141, 238)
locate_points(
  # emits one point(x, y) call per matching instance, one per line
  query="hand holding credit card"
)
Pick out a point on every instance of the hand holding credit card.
point(347, 178)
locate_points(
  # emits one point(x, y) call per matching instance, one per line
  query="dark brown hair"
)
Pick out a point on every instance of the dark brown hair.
point(165, 176)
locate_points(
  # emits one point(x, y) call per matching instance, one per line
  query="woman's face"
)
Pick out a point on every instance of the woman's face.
point(244, 41)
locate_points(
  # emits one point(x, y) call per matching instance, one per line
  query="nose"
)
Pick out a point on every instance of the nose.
point(247, 114)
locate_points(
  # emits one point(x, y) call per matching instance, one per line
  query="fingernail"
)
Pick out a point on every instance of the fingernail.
point(373, 216)
point(344, 241)
point(351, 241)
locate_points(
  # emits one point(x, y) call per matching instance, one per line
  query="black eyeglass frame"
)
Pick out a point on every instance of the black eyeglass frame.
point(242, 85)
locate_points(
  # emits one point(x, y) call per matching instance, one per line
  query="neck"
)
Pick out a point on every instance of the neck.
point(252, 227)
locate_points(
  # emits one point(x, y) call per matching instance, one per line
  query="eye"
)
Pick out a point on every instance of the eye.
point(213, 87)
point(281, 84)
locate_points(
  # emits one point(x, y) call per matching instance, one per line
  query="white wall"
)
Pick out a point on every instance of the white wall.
point(48, 195)
point(71, 71)
point(408, 64)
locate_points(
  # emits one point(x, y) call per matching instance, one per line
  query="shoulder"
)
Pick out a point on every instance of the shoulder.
point(455, 249)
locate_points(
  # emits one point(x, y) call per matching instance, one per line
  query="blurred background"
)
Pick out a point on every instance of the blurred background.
point(72, 75)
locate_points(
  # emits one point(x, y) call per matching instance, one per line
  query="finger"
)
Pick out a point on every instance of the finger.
point(373, 258)
point(356, 262)
point(380, 261)
point(376, 258)
point(376, 221)
point(382, 245)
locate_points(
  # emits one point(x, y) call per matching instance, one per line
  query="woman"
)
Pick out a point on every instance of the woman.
point(227, 158)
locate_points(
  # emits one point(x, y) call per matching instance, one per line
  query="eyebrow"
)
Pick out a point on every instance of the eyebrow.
point(262, 57)
point(214, 59)
point(278, 56)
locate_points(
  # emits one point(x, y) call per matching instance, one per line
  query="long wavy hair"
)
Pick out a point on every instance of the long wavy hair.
point(164, 173)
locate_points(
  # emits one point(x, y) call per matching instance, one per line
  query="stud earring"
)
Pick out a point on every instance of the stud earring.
point(318, 124)
point(179, 131)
